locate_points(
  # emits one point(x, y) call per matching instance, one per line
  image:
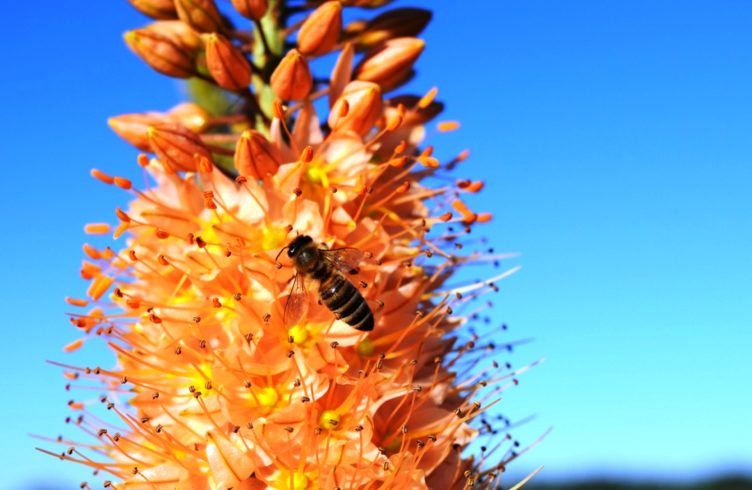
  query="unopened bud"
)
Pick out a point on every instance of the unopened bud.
point(391, 63)
point(255, 156)
point(190, 115)
point(291, 79)
point(178, 32)
point(363, 102)
point(226, 63)
point(156, 9)
point(251, 9)
point(177, 148)
point(133, 128)
point(202, 15)
point(320, 31)
point(161, 53)
point(403, 22)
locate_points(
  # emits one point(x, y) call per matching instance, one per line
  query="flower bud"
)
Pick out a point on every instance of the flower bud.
point(404, 22)
point(255, 156)
point(226, 63)
point(391, 63)
point(362, 101)
point(291, 79)
point(133, 128)
point(190, 115)
point(161, 53)
point(177, 148)
point(202, 15)
point(156, 9)
point(320, 31)
point(251, 9)
point(178, 32)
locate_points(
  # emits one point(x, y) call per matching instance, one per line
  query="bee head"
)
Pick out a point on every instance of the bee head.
point(297, 244)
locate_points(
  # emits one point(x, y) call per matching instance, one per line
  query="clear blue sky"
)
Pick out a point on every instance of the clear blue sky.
point(615, 139)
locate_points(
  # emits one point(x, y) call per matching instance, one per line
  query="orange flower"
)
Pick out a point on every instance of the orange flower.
point(212, 386)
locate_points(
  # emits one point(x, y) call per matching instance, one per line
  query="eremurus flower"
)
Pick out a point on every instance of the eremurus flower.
point(212, 389)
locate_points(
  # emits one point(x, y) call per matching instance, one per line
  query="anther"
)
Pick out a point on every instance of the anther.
point(123, 183)
point(122, 216)
point(101, 176)
point(307, 154)
point(161, 234)
point(279, 109)
point(344, 108)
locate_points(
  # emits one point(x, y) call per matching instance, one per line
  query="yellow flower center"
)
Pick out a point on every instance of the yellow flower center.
point(318, 172)
point(329, 420)
point(365, 347)
point(297, 334)
point(272, 237)
point(299, 481)
point(394, 445)
point(268, 396)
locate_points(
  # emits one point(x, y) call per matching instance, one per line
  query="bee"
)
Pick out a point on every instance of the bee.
point(336, 292)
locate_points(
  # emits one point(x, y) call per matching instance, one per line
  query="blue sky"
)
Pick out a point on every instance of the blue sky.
point(614, 138)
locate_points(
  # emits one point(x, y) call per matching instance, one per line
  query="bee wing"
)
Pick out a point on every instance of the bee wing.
point(345, 260)
point(297, 303)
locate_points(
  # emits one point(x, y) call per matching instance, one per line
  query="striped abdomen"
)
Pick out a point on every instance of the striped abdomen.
point(345, 301)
